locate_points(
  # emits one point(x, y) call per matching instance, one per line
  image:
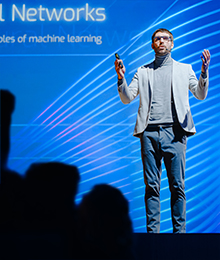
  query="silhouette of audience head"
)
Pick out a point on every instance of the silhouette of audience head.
point(105, 224)
point(51, 189)
point(11, 189)
point(7, 108)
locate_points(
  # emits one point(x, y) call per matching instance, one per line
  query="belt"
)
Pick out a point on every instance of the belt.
point(156, 126)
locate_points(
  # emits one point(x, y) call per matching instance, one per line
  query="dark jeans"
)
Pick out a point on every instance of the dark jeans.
point(168, 143)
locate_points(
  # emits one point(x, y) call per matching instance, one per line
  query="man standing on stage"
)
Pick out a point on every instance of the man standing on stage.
point(163, 123)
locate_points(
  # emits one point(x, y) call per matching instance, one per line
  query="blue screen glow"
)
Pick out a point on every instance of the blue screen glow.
point(57, 58)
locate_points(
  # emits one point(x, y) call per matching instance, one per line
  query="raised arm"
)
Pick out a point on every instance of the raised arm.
point(200, 89)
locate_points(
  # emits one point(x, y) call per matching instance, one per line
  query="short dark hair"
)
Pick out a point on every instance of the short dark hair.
point(162, 30)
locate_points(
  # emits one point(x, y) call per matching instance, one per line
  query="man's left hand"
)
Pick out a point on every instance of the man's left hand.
point(205, 60)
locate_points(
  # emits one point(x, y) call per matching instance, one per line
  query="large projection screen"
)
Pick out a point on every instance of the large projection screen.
point(57, 58)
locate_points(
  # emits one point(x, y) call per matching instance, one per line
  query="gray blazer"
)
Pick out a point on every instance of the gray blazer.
point(183, 80)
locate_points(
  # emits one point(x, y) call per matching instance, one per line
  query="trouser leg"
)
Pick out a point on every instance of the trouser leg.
point(174, 159)
point(151, 157)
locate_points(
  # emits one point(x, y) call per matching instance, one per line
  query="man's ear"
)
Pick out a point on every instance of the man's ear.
point(152, 46)
point(172, 45)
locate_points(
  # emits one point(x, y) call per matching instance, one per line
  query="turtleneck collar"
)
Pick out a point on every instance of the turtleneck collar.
point(164, 60)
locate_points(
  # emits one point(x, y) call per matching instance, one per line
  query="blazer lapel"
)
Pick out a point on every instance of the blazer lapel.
point(150, 72)
point(176, 74)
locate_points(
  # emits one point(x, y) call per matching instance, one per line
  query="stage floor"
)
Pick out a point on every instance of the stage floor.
point(177, 246)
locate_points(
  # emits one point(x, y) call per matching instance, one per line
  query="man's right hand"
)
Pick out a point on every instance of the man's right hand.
point(120, 71)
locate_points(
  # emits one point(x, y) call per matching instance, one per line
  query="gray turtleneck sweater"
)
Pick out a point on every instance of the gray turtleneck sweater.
point(162, 108)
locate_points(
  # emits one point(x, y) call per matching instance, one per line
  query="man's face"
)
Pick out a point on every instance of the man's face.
point(162, 43)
